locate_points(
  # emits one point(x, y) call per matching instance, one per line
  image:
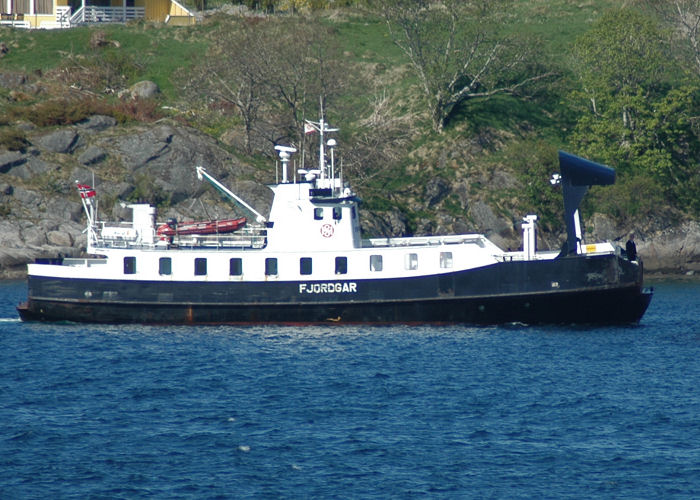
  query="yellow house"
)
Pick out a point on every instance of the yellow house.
point(50, 14)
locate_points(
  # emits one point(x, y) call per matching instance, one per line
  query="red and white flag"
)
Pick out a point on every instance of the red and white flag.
point(308, 128)
point(85, 190)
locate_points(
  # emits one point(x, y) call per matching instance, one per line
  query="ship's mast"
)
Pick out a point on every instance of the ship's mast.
point(321, 127)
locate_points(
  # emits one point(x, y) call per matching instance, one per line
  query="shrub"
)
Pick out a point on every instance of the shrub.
point(13, 140)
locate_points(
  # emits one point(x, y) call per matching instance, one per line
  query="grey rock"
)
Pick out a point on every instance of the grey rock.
point(255, 194)
point(92, 155)
point(66, 208)
point(13, 261)
point(436, 190)
point(59, 238)
point(98, 123)
point(602, 228)
point(673, 250)
point(85, 176)
point(21, 172)
point(487, 221)
point(461, 189)
point(32, 168)
point(60, 141)
point(120, 190)
point(389, 223)
point(34, 236)
point(144, 90)
point(12, 80)
point(10, 234)
point(27, 197)
point(10, 159)
point(26, 126)
point(166, 156)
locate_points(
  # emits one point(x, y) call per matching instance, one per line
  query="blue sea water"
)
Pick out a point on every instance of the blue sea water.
point(90, 411)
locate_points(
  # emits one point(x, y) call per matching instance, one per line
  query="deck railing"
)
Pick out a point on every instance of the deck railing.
point(14, 20)
point(97, 14)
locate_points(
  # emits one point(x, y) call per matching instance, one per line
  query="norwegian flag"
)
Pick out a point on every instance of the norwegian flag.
point(308, 128)
point(85, 190)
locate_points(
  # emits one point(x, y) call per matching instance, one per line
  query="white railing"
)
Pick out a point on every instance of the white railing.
point(96, 14)
point(77, 17)
point(14, 21)
point(424, 240)
point(63, 14)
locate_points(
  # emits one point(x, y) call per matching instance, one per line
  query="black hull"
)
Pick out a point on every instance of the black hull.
point(586, 290)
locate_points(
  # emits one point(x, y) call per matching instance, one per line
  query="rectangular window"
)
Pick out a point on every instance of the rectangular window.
point(200, 266)
point(411, 261)
point(271, 266)
point(337, 213)
point(318, 213)
point(305, 265)
point(375, 263)
point(341, 265)
point(165, 266)
point(235, 266)
point(445, 260)
point(129, 265)
point(43, 7)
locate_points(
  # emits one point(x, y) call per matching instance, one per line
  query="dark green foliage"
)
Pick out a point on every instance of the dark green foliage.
point(632, 114)
point(535, 162)
point(146, 191)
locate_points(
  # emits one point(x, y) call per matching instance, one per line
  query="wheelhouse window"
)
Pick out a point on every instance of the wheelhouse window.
point(341, 265)
point(235, 266)
point(200, 266)
point(305, 265)
point(445, 260)
point(129, 265)
point(411, 261)
point(318, 213)
point(375, 263)
point(337, 213)
point(165, 266)
point(271, 266)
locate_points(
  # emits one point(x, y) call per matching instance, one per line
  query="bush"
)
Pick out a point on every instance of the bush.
point(64, 111)
point(55, 112)
point(13, 140)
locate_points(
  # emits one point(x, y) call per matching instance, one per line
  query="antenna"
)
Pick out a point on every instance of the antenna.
point(285, 152)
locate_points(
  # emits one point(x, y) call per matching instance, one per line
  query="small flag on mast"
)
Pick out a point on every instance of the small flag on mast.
point(85, 190)
point(308, 128)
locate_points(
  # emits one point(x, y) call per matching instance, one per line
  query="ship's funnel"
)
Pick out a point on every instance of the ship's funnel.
point(577, 175)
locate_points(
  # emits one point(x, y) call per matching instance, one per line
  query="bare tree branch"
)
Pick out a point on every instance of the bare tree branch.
point(458, 51)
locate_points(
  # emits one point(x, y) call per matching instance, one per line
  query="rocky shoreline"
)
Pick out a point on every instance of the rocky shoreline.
point(41, 214)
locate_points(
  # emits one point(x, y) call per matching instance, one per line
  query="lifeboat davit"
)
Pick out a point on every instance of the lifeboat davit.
point(201, 227)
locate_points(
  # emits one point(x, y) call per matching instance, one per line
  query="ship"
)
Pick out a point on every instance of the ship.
point(307, 262)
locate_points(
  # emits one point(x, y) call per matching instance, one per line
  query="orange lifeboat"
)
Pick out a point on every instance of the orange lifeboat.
point(172, 228)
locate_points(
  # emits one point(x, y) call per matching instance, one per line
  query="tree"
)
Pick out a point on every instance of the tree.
point(460, 51)
point(632, 115)
point(229, 77)
point(684, 17)
point(271, 72)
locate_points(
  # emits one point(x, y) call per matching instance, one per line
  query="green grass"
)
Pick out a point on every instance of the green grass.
point(158, 52)
point(33, 50)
